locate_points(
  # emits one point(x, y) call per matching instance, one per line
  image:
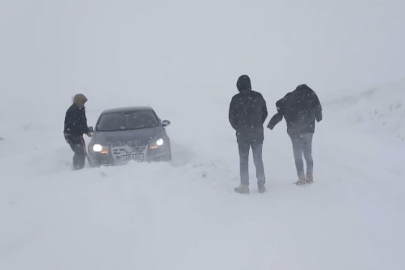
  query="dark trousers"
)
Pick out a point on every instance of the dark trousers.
point(244, 147)
point(77, 145)
point(302, 145)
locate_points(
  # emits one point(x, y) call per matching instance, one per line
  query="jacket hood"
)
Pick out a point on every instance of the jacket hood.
point(303, 88)
point(302, 92)
point(79, 100)
point(244, 84)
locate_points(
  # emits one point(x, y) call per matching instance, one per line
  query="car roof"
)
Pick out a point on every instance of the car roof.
point(128, 109)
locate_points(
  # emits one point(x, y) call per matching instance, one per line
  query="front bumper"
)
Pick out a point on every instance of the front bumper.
point(116, 156)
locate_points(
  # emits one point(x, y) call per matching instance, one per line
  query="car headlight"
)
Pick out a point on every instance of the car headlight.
point(97, 148)
point(100, 149)
point(156, 144)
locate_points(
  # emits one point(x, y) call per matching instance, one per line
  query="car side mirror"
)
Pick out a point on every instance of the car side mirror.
point(91, 129)
point(165, 123)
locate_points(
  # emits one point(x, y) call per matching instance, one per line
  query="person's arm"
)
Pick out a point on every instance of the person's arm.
point(233, 114)
point(84, 129)
point(318, 108)
point(264, 112)
point(72, 122)
point(275, 120)
point(277, 117)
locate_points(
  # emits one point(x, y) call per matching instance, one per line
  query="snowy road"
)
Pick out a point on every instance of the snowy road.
point(186, 215)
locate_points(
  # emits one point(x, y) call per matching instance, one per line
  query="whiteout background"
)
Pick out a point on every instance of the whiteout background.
point(183, 58)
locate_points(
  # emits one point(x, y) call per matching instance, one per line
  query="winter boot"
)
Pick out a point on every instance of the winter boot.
point(301, 181)
point(310, 178)
point(243, 189)
point(262, 188)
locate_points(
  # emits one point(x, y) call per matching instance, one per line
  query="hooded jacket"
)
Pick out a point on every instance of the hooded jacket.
point(75, 119)
point(300, 109)
point(247, 112)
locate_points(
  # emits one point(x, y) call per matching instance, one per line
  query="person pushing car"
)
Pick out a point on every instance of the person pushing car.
point(74, 128)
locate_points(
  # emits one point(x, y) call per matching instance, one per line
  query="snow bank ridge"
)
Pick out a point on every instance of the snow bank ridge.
point(379, 109)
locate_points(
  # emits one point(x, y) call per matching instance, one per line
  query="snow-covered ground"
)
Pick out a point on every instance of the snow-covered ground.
point(185, 215)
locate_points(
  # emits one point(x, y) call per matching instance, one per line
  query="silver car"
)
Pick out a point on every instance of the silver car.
point(130, 133)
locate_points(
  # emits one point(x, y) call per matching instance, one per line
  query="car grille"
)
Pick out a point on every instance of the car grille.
point(127, 150)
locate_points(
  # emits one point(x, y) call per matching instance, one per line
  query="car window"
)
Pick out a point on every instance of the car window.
point(127, 121)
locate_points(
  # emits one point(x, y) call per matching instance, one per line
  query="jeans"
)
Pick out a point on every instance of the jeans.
point(77, 145)
point(302, 145)
point(244, 147)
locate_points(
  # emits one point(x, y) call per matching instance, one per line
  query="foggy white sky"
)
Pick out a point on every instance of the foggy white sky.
point(180, 49)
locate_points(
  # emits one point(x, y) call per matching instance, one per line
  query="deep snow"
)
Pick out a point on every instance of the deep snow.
point(183, 59)
point(186, 216)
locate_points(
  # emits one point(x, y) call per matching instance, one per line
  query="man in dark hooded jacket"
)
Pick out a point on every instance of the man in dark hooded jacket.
point(74, 128)
point(300, 109)
point(247, 114)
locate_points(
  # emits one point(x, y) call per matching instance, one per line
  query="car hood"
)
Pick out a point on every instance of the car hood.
point(127, 137)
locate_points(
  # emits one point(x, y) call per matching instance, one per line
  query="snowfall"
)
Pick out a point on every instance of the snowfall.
point(183, 58)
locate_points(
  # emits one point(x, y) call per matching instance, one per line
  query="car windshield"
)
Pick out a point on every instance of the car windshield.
point(127, 121)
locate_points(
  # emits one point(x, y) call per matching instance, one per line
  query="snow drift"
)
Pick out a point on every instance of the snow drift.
point(378, 110)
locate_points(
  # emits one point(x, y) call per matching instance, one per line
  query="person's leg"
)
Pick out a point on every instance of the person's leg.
point(244, 148)
point(257, 149)
point(70, 140)
point(79, 157)
point(298, 145)
point(308, 156)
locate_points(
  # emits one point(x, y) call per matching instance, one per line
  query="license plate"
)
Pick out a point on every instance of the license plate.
point(137, 157)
